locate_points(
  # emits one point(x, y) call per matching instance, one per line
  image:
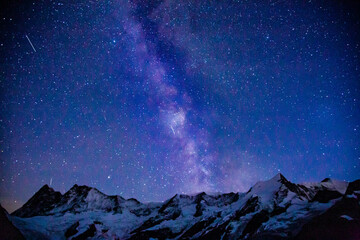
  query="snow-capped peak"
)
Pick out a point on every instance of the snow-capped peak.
point(269, 207)
point(278, 177)
point(266, 189)
point(277, 191)
point(335, 185)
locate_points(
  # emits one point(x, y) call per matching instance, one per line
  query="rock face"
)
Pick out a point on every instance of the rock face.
point(78, 199)
point(273, 209)
point(44, 200)
point(7, 229)
point(341, 221)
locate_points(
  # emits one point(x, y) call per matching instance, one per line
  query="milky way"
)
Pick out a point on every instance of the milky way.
point(173, 107)
point(146, 99)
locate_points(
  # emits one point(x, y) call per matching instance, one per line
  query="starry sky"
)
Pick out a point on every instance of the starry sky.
point(146, 99)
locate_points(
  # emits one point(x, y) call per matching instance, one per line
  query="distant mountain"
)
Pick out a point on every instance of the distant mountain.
point(273, 209)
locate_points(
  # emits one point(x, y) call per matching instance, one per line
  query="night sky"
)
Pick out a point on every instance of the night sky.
point(146, 99)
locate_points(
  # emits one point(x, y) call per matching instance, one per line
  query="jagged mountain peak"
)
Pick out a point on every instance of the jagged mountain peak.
point(269, 207)
point(46, 187)
point(83, 193)
point(272, 184)
point(39, 203)
point(278, 177)
point(326, 180)
point(80, 188)
point(334, 185)
point(276, 190)
point(201, 194)
point(133, 200)
point(45, 190)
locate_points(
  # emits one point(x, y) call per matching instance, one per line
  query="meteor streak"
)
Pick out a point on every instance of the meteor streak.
point(172, 129)
point(30, 43)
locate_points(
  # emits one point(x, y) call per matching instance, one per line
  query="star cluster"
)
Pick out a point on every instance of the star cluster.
point(146, 99)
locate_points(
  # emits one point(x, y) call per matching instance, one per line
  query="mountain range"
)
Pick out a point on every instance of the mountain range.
point(273, 209)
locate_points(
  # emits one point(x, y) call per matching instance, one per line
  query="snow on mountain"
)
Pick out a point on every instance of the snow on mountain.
point(335, 185)
point(271, 209)
point(330, 184)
